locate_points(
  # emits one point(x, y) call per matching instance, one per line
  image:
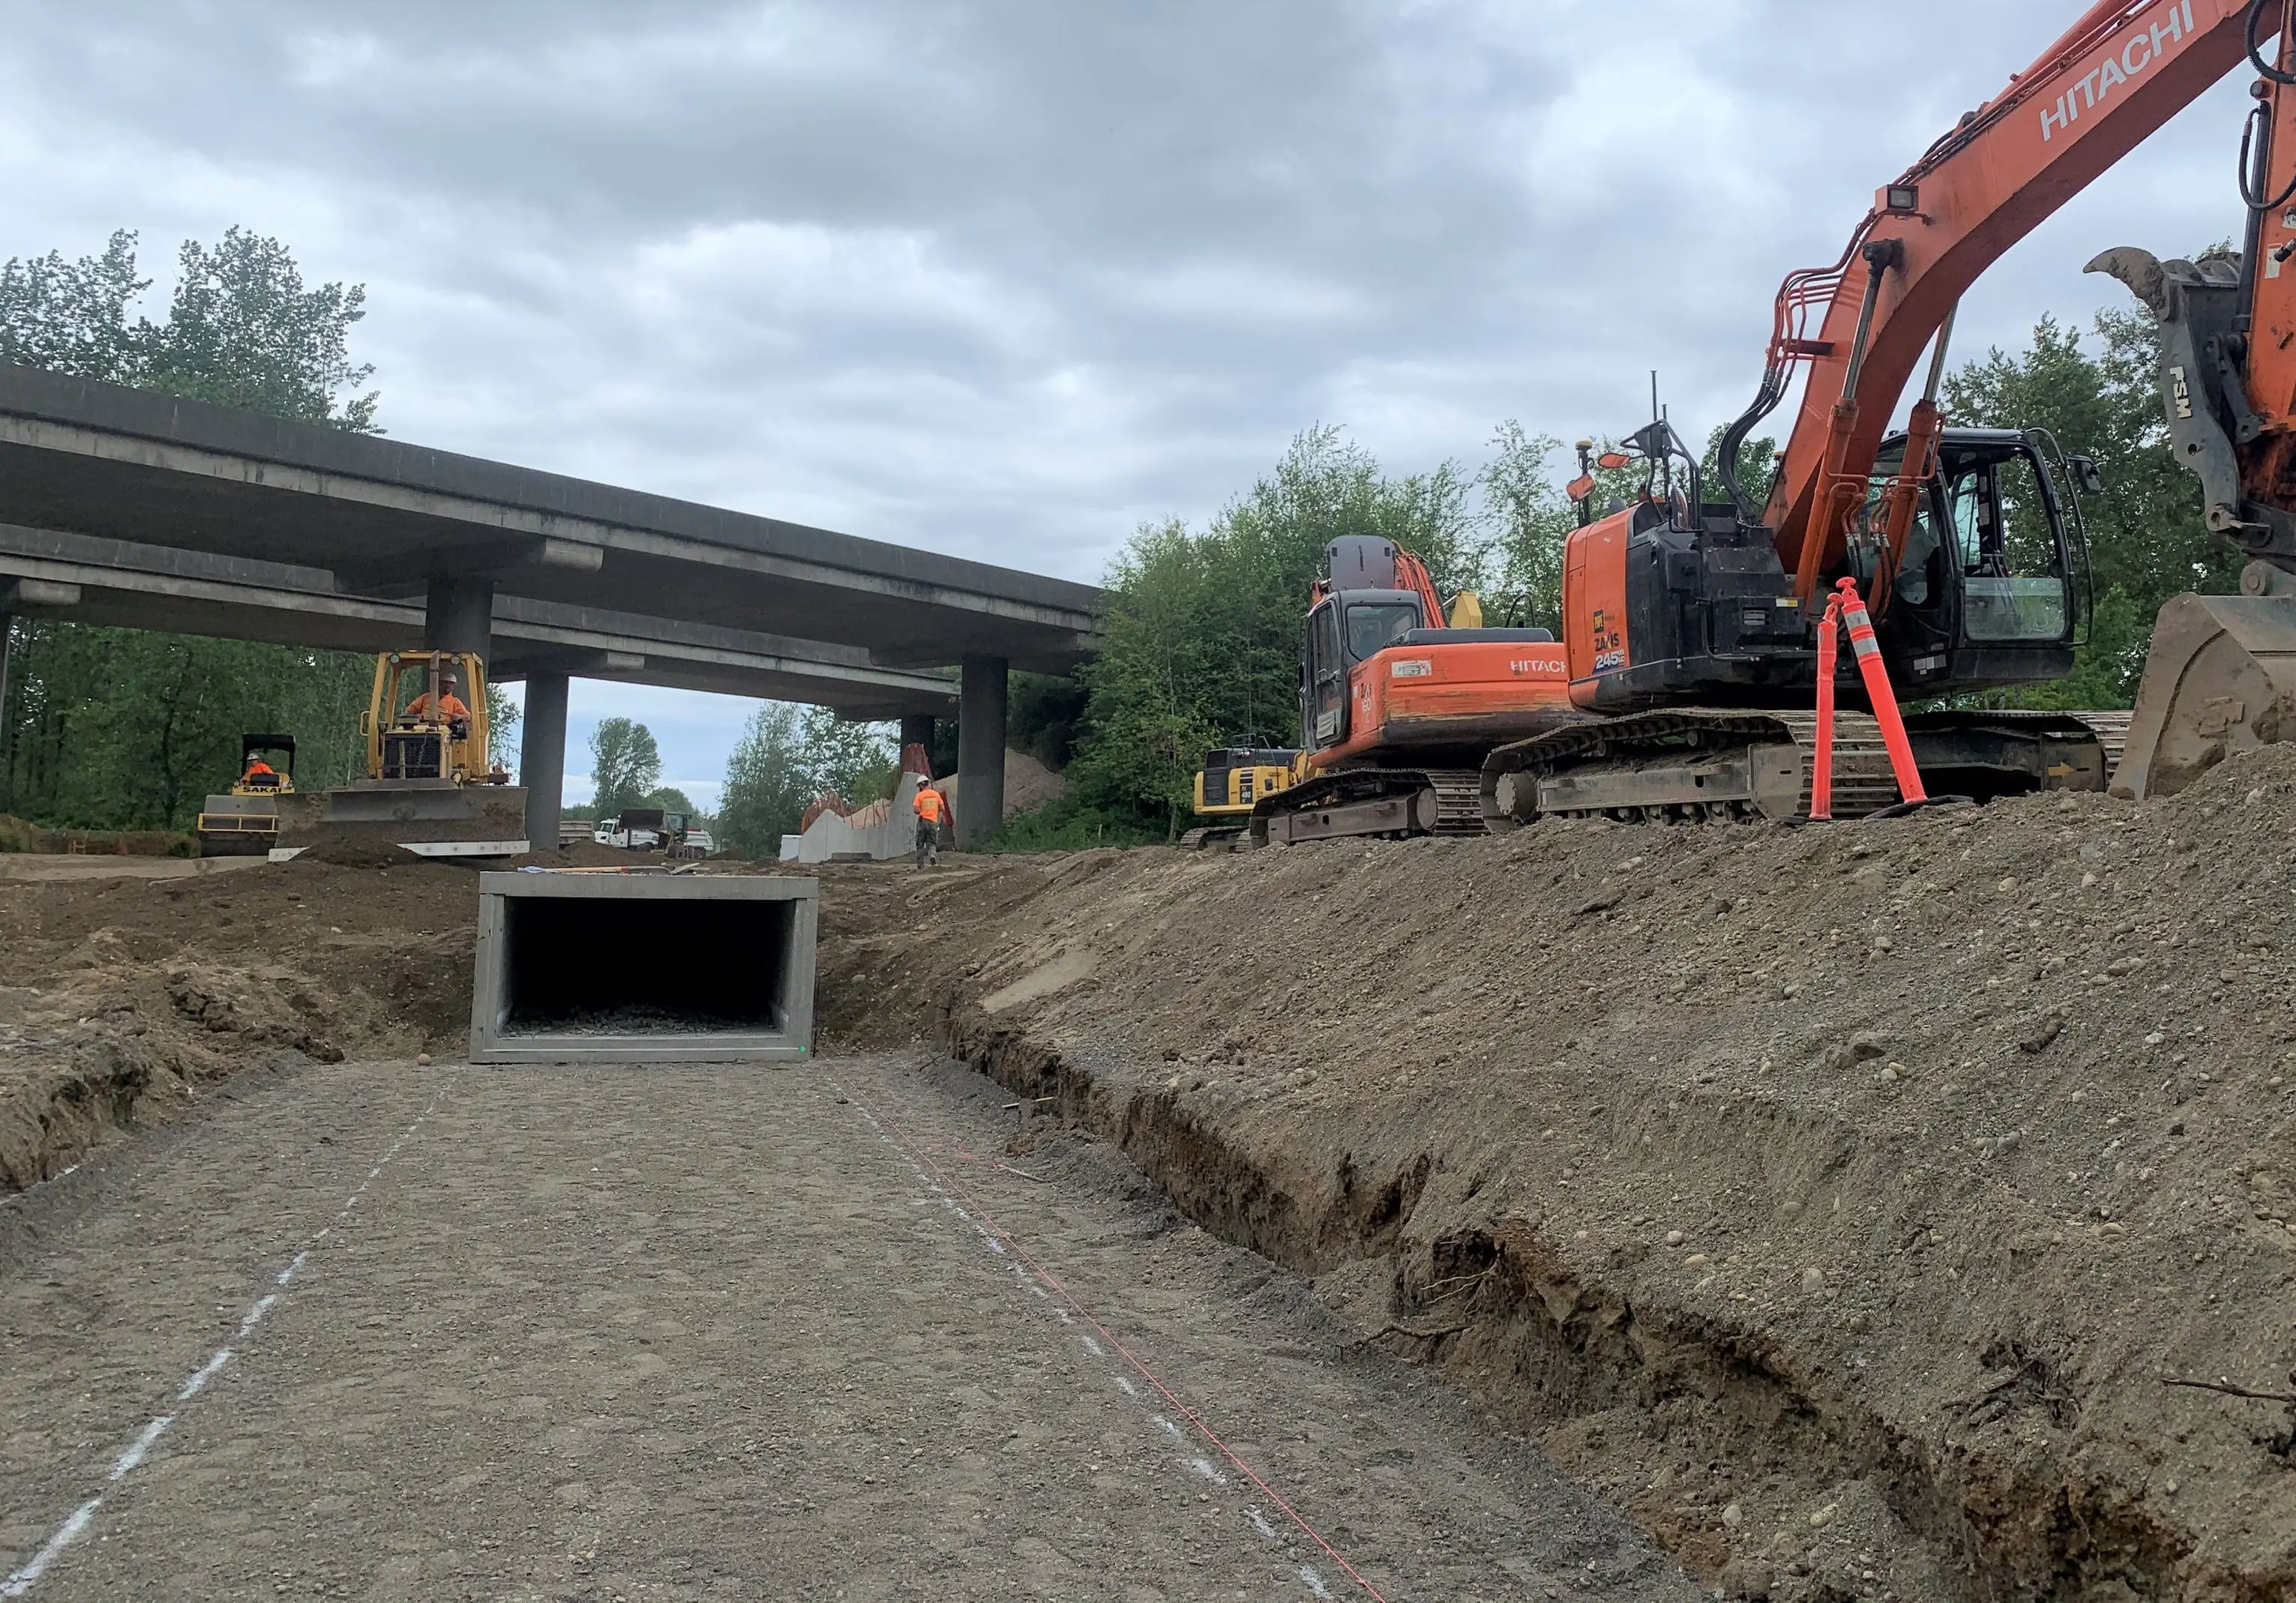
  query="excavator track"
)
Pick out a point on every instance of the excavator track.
point(1685, 766)
point(1459, 800)
point(1215, 838)
point(1722, 764)
point(1387, 802)
point(2111, 730)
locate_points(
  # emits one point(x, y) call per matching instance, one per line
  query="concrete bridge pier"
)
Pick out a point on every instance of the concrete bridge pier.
point(458, 615)
point(542, 756)
point(917, 730)
point(981, 749)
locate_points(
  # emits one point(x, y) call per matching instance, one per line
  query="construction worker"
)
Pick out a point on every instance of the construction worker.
point(261, 775)
point(445, 708)
point(931, 808)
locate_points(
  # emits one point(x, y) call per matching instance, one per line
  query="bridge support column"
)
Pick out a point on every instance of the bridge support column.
point(917, 730)
point(7, 730)
point(458, 615)
point(542, 757)
point(979, 751)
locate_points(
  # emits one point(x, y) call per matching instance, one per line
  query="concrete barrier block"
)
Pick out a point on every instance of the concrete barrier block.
point(643, 968)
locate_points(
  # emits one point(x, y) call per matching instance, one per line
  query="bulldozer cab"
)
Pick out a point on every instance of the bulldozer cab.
point(420, 728)
point(1990, 586)
point(266, 765)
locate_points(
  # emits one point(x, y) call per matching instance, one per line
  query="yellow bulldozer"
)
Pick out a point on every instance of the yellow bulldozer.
point(430, 785)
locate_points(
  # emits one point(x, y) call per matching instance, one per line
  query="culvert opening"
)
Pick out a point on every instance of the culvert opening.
point(591, 964)
point(599, 968)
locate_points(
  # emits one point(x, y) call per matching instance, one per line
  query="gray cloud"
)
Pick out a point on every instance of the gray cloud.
point(1007, 278)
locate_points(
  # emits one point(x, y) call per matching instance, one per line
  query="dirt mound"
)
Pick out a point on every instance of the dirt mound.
point(124, 998)
point(1028, 785)
point(1843, 1199)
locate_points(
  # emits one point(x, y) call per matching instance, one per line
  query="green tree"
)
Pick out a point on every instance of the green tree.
point(116, 728)
point(625, 763)
point(1045, 717)
point(669, 798)
point(858, 763)
point(1201, 635)
point(503, 719)
point(247, 295)
point(73, 316)
point(1534, 519)
point(765, 792)
point(790, 758)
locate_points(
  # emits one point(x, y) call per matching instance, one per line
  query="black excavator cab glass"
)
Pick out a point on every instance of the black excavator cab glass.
point(1986, 560)
point(1324, 693)
point(1374, 625)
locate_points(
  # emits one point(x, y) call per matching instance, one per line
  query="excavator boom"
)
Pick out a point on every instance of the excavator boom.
point(2221, 674)
point(2113, 77)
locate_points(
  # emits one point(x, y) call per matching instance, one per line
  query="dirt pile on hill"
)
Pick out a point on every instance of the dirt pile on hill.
point(123, 1000)
point(1843, 1199)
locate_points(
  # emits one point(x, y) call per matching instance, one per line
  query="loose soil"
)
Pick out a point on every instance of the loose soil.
point(1841, 1201)
point(124, 1003)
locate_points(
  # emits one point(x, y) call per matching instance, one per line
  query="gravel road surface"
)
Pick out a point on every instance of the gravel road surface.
point(714, 1332)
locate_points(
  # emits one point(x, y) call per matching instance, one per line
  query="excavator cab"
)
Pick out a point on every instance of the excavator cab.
point(1990, 587)
point(1346, 628)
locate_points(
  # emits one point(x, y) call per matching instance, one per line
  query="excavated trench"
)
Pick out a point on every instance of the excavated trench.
point(1506, 1315)
point(1840, 1202)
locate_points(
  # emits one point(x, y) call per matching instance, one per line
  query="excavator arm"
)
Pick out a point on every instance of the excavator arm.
point(2117, 75)
point(2228, 327)
point(2220, 673)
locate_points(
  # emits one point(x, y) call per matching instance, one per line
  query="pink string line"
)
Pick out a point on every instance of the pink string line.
point(1147, 1374)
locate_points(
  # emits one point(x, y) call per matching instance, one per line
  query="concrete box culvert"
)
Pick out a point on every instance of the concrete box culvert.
point(643, 968)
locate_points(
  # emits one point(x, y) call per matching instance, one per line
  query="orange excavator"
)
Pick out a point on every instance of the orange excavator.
point(1400, 704)
point(1689, 617)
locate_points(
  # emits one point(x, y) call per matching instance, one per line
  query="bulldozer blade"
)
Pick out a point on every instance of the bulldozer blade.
point(2220, 680)
point(500, 807)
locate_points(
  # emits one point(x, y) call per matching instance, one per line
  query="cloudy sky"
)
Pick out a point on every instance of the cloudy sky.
point(1004, 279)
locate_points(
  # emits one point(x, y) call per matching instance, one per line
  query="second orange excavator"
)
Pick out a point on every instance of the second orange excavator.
point(1400, 704)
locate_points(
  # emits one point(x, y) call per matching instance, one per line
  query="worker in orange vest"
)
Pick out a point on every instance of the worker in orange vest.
point(931, 808)
point(446, 707)
point(261, 775)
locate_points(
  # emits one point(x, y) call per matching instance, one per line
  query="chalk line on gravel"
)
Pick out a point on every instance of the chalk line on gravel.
point(1036, 1277)
point(26, 1575)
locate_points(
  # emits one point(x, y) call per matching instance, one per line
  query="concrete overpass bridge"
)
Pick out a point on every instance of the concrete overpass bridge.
point(121, 506)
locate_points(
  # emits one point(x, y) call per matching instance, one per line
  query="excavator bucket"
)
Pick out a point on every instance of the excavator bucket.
point(2220, 680)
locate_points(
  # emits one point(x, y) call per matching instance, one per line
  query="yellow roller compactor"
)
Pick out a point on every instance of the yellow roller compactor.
point(245, 820)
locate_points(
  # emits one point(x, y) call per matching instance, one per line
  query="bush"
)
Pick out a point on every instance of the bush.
point(1071, 824)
